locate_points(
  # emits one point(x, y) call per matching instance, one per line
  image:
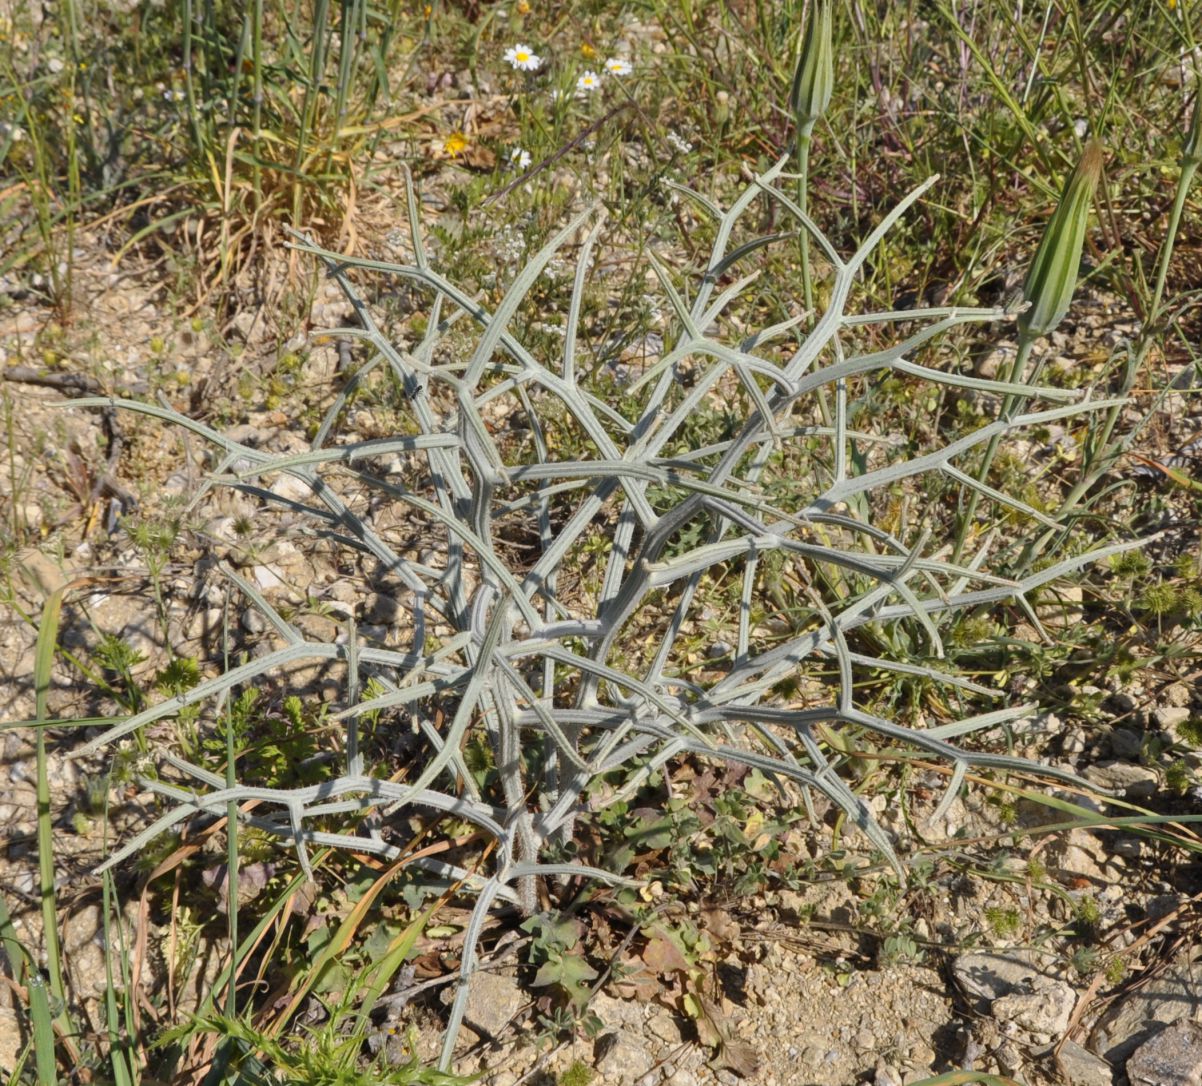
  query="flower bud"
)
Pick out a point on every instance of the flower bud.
point(814, 79)
point(1052, 277)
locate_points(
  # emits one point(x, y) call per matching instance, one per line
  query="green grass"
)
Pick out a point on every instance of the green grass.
point(243, 119)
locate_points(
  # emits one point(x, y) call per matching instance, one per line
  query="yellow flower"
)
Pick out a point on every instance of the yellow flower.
point(587, 51)
point(522, 8)
point(455, 144)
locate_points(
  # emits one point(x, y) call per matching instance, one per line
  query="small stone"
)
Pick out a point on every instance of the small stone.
point(1044, 1010)
point(885, 1075)
point(989, 975)
point(664, 1026)
point(1168, 717)
point(681, 1077)
point(1079, 853)
point(996, 361)
point(204, 624)
point(1133, 781)
point(1072, 743)
point(921, 1055)
point(1080, 1067)
point(1122, 702)
point(253, 622)
point(492, 1001)
point(292, 489)
point(1126, 743)
point(1177, 694)
point(267, 579)
point(1128, 847)
point(30, 514)
point(1172, 1058)
point(621, 1059)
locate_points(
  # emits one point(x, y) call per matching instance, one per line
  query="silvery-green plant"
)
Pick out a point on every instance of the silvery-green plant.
point(494, 648)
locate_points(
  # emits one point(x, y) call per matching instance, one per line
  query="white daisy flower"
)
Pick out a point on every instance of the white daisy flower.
point(618, 66)
point(520, 158)
point(523, 58)
point(588, 83)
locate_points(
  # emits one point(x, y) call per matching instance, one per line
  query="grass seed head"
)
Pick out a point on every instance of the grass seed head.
point(1052, 277)
point(814, 79)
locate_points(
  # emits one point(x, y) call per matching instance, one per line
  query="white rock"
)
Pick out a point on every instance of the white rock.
point(290, 488)
point(989, 975)
point(1168, 717)
point(622, 1059)
point(1044, 1010)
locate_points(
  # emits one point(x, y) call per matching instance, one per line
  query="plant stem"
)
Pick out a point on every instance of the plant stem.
point(189, 84)
point(1009, 404)
point(803, 186)
point(231, 830)
point(256, 52)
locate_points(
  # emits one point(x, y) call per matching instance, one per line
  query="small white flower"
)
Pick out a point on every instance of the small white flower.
point(679, 142)
point(520, 158)
point(588, 83)
point(618, 66)
point(523, 58)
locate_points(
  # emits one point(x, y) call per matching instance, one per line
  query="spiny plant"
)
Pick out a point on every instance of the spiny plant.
point(568, 688)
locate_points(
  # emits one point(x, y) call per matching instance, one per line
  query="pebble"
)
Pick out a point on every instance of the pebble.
point(1126, 743)
point(1133, 781)
point(621, 1059)
point(885, 1075)
point(990, 975)
point(682, 1077)
point(1044, 1010)
point(664, 1026)
point(1172, 1058)
point(1169, 717)
point(1080, 1067)
point(290, 488)
point(1072, 743)
point(492, 1000)
point(267, 579)
point(1177, 694)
